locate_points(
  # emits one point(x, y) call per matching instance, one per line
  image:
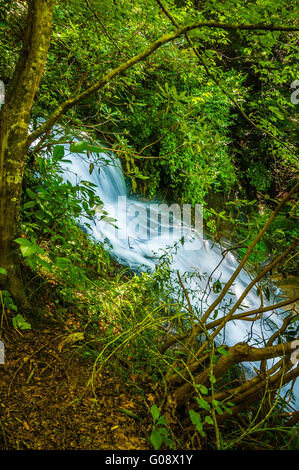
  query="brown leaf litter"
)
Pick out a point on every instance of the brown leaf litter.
point(45, 402)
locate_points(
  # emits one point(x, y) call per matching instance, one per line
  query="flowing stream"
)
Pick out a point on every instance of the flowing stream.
point(134, 244)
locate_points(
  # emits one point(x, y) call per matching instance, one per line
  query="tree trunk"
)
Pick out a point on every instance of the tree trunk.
point(14, 123)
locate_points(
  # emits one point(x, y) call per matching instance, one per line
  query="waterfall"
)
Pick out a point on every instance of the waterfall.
point(132, 247)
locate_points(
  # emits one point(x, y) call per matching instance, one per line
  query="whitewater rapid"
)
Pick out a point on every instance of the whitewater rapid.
point(133, 244)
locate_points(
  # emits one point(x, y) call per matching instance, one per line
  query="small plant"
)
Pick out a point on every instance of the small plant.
point(7, 300)
point(30, 250)
point(20, 323)
point(160, 432)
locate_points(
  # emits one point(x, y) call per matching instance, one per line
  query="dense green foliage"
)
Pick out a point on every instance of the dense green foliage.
point(168, 108)
point(207, 114)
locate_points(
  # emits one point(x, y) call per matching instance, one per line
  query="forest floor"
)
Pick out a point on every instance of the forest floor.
point(50, 397)
point(45, 402)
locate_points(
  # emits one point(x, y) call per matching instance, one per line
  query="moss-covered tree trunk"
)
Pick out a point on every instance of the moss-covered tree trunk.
point(14, 123)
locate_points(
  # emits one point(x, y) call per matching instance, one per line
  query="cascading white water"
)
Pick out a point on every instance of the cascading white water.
point(132, 247)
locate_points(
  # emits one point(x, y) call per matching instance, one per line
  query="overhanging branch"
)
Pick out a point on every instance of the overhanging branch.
point(65, 106)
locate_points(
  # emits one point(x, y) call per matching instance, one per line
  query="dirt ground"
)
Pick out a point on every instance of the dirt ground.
point(45, 402)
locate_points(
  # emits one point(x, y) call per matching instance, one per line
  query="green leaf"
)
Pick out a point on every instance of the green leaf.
point(58, 152)
point(78, 147)
point(222, 350)
point(217, 404)
point(203, 389)
point(209, 420)
point(23, 241)
point(109, 220)
point(88, 183)
point(156, 439)
point(163, 431)
point(95, 148)
point(195, 417)
point(199, 428)
point(3, 271)
point(44, 264)
point(32, 262)
point(203, 404)
point(30, 193)
point(162, 420)
point(28, 250)
point(212, 379)
point(5, 293)
point(217, 287)
point(63, 263)
point(20, 323)
point(29, 204)
point(155, 412)
point(228, 410)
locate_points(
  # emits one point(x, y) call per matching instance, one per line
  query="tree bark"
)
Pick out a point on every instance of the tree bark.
point(14, 123)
